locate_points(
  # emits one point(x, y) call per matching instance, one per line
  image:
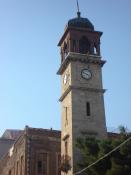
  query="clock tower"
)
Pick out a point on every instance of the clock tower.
point(82, 101)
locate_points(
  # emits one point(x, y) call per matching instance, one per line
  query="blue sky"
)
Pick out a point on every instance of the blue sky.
point(29, 59)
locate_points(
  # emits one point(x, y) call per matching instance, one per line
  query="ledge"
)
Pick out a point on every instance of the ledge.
point(65, 94)
point(65, 137)
point(80, 88)
point(86, 58)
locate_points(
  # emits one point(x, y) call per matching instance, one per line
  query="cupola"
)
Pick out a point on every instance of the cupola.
point(80, 37)
point(80, 22)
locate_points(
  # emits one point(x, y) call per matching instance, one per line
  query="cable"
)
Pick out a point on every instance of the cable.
point(106, 155)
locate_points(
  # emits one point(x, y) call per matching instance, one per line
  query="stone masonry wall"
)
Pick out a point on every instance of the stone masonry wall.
point(13, 162)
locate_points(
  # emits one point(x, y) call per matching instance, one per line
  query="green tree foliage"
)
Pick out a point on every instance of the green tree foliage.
point(117, 163)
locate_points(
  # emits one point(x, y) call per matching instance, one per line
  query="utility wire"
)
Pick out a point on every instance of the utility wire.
point(106, 155)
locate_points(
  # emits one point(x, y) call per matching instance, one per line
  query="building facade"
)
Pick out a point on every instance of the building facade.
point(35, 152)
point(5, 145)
point(12, 134)
point(7, 140)
point(82, 98)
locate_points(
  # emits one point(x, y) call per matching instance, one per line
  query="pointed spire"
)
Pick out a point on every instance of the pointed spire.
point(78, 11)
point(78, 6)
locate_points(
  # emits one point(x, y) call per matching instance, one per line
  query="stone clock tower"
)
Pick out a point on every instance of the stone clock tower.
point(82, 91)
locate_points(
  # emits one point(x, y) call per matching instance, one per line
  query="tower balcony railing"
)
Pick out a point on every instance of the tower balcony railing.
point(65, 163)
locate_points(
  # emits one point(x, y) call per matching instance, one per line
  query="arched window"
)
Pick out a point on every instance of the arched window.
point(65, 49)
point(66, 147)
point(10, 172)
point(88, 109)
point(84, 45)
point(95, 49)
point(62, 55)
point(74, 45)
point(41, 164)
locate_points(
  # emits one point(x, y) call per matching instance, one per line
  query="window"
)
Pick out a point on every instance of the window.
point(17, 168)
point(66, 147)
point(66, 116)
point(41, 164)
point(22, 165)
point(84, 45)
point(58, 165)
point(10, 172)
point(95, 51)
point(88, 110)
point(65, 49)
point(74, 46)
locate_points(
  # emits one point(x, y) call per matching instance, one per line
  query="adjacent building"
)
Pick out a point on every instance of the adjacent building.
point(7, 140)
point(35, 152)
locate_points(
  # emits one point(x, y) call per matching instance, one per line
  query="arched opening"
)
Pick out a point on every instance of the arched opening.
point(88, 109)
point(84, 45)
point(65, 49)
point(74, 45)
point(95, 51)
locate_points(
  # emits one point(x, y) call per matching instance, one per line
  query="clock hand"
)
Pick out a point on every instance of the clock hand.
point(86, 73)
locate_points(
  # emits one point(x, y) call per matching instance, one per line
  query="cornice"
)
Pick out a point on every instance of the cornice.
point(86, 58)
point(80, 88)
point(65, 94)
point(66, 136)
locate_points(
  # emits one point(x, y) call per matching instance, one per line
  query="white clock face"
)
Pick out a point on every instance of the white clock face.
point(86, 74)
point(65, 79)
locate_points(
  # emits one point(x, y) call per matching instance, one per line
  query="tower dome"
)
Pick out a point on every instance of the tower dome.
point(80, 22)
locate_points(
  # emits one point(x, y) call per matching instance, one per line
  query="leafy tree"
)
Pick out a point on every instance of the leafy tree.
point(117, 163)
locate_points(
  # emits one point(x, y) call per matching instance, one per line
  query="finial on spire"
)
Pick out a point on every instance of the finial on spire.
point(78, 6)
point(78, 10)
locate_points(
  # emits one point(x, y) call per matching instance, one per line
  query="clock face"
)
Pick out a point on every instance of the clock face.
point(86, 74)
point(66, 78)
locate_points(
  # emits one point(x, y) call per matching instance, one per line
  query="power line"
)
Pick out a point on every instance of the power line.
point(106, 155)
